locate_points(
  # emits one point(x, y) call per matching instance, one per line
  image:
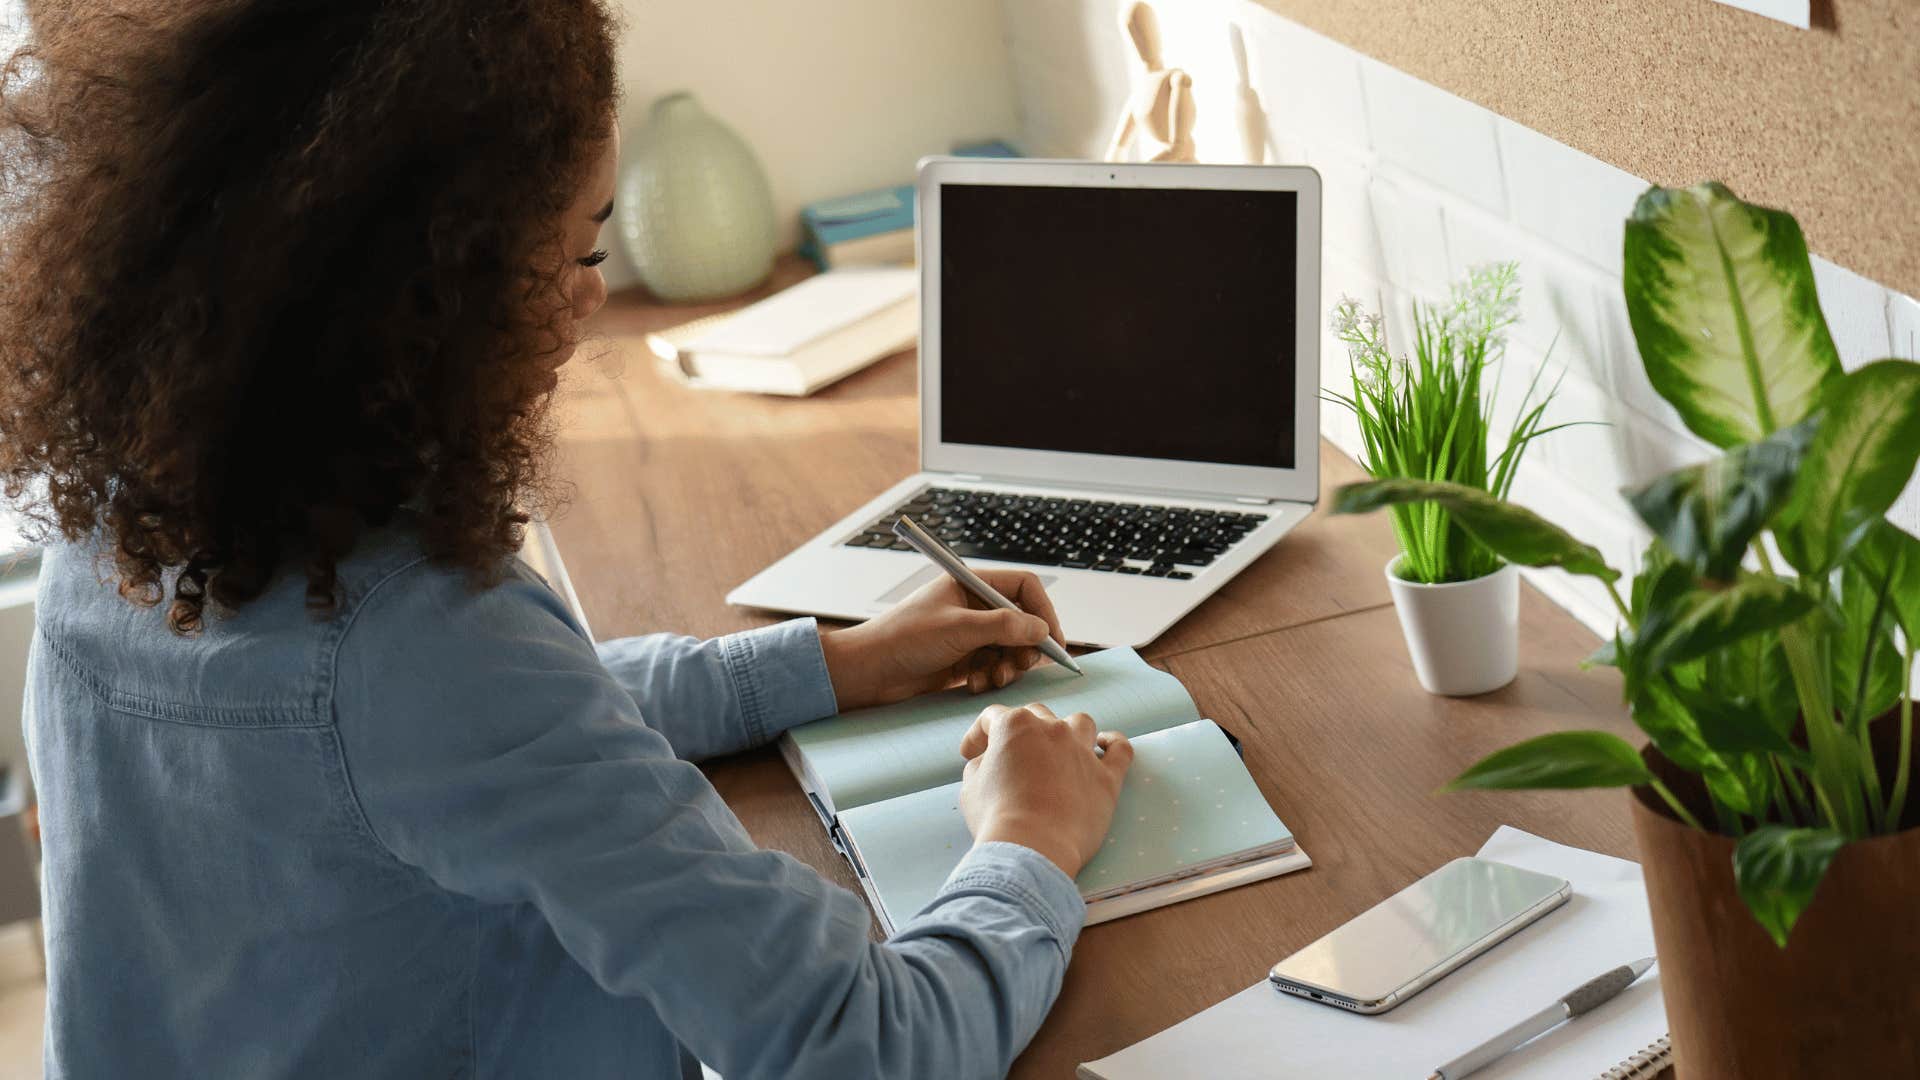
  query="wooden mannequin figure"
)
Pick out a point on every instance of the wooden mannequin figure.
point(1250, 115)
point(1157, 122)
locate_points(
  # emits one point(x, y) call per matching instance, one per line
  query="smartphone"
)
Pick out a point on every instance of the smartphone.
point(1412, 939)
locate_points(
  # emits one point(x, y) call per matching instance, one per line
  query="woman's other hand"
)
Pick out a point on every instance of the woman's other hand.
point(1034, 779)
point(940, 636)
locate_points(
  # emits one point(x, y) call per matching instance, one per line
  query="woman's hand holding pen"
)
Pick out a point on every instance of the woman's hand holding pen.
point(1031, 778)
point(940, 636)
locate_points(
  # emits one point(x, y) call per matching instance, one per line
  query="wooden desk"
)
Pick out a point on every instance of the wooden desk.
point(665, 475)
point(682, 494)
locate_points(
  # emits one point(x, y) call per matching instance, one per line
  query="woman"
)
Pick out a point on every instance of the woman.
point(331, 785)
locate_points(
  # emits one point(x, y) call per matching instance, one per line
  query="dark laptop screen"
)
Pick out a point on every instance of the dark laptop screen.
point(1143, 323)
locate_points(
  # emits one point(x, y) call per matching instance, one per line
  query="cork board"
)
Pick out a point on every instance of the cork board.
point(1824, 123)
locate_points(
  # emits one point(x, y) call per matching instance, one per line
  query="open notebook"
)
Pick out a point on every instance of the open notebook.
point(1190, 821)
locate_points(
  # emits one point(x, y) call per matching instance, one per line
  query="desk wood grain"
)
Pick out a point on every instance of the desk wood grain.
point(680, 494)
point(1348, 750)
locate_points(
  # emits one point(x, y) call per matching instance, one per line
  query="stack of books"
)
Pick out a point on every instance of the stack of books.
point(872, 228)
point(800, 339)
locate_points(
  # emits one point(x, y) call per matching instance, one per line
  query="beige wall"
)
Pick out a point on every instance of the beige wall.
point(835, 97)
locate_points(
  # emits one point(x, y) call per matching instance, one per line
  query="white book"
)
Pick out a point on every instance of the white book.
point(802, 338)
point(880, 249)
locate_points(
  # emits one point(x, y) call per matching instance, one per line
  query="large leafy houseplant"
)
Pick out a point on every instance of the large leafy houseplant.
point(1776, 612)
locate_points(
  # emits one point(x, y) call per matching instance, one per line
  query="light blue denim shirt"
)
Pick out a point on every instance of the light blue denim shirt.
point(440, 834)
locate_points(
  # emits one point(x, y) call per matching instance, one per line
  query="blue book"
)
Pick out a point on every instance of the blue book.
point(871, 228)
point(992, 148)
point(1190, 821)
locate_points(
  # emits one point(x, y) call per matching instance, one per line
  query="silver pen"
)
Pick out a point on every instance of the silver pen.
point(944, 557)
point(1588, 996)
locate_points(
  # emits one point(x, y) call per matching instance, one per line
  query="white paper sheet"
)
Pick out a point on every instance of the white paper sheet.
point(1792, 12)
point(1262, 1033)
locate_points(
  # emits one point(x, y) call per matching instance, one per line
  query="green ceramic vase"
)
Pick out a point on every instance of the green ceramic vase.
point(694, 208)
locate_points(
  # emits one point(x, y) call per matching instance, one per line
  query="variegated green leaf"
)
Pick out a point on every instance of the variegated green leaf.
point(1564, 759)
point(1857, 464)
point(1660, 580)
point(1707, 514)
point(1751, 674)
point(1676, 732)
point(1607, 655)
point(1703, 620)
point(1777, 870)
point(1868, 674)
point(1729, 725)
point(1722, 301)
point(1889, 552)
point(1512, 532)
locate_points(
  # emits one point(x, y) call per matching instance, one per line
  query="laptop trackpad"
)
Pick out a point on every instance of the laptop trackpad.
point(921, 577)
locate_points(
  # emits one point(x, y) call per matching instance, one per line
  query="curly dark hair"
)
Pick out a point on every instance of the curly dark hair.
point(271, 270)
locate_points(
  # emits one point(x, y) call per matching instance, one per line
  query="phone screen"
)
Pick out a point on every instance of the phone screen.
point(1445, 916)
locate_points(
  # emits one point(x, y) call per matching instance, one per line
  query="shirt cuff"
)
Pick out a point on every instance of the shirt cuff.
point(1021, 874)
point(779, 676)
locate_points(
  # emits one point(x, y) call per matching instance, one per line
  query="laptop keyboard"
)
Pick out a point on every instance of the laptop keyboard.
point(1079, 534)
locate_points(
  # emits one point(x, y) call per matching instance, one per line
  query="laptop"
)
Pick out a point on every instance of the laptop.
point(1119, 391)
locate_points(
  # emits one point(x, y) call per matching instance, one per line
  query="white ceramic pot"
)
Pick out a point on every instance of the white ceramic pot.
point(1464, 636)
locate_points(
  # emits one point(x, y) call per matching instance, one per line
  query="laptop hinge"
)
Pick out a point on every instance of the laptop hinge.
point(1247, 500)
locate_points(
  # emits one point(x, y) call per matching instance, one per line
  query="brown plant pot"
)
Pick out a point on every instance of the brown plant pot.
point(1841, 1000)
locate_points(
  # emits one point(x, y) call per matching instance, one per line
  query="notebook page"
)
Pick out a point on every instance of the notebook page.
point(872, 754)
point(1188, 802)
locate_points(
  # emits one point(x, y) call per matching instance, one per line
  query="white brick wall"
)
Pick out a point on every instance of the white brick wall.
point(1421, 184)
point(1856, 311)
point(1566, 198)
point(1446, 141)
point(1903, 318)
point(1308, 92)
point(1411, 231)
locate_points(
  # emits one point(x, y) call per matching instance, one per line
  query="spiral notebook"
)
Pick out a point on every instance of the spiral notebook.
point(1644, 1065)
point(1261, 1033)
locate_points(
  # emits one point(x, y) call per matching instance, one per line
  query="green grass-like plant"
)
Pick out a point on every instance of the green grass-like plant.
point(1425, 417)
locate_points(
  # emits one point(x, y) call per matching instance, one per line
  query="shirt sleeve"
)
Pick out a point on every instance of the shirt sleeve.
point(453, 704)
point(726, 694)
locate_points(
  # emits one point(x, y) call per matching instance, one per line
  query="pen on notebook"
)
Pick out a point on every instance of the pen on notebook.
point(943, 556)
point(1586, 997)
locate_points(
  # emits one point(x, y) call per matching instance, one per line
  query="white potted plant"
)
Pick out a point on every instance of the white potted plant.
point(1425, 417)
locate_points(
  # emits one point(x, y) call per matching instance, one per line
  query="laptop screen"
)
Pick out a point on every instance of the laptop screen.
point(1153, 323)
